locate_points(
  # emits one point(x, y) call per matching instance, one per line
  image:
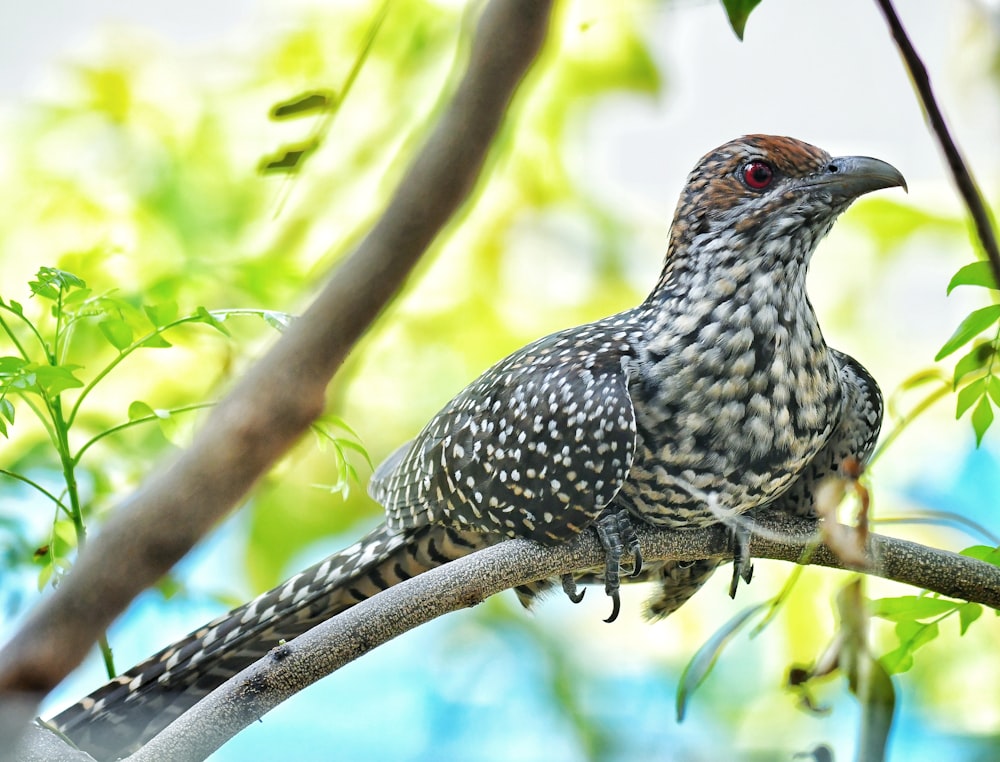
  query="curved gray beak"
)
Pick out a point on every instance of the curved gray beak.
point(848, 177)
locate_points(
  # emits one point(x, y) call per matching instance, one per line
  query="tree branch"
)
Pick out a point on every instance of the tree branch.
point(960, 172)
point(281, 394)
point(291, 667)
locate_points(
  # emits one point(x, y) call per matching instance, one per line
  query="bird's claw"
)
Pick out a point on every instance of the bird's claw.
point(569, 587)
point(742, 561)
point(616, 605)
point(617, 535)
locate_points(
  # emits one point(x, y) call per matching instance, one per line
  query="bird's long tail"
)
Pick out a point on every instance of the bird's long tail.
point(125, 713)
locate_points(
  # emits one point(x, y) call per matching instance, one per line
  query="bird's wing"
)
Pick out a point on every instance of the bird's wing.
point(536, 447)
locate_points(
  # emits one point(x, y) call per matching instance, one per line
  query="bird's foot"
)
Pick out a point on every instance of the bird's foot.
point(617, 535)
point(742, 561)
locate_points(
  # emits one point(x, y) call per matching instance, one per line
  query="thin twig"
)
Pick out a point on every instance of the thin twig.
point(967, 186)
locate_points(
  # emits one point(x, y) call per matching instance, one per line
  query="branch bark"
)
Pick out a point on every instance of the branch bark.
point(282, 393)
point(289, 668)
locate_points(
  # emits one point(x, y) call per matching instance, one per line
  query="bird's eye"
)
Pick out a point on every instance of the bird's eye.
point(758, 174)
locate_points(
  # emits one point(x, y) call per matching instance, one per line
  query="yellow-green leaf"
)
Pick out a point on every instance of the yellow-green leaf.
point(910, 607)
point(974, 324)
point(974, 361)
point(117, 332)
point(968, 396)
point(985, 553)
point(982, 419)
point(304, 104)
point(967, 614)
point(975, 274)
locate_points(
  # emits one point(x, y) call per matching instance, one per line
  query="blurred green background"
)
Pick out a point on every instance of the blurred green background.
point(132, 152)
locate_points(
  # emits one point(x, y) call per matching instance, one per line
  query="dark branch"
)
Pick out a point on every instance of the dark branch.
point(290, 668)
point(967, 185)
point(282, 393)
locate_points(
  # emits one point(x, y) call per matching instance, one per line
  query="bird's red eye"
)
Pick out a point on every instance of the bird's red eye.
point(758, 174)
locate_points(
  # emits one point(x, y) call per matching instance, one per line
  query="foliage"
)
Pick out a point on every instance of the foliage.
point(44, 377)
point(977, 373)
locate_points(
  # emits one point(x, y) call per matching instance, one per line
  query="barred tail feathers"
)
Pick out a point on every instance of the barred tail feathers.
point(123, 714)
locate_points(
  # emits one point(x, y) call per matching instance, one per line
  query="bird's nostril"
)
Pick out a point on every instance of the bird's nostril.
point(831, 167)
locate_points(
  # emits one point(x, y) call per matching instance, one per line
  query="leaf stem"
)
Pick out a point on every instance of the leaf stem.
point(134, 422)
point(195, 318)
point(31, 483)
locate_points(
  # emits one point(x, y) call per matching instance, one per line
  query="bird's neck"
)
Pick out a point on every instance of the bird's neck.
point(752, 296)
point(734, 356)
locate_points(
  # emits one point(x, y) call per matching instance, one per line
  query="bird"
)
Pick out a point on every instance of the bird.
point(715, 396)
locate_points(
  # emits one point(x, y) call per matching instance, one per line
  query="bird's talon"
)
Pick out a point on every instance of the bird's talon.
point(742, 561)
point(637, 563)
point(616, 606)
point(569, 587)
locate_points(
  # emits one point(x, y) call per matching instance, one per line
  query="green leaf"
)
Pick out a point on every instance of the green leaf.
point(910, 607)
point(55, 379)
point(77, 299)
point(912, 635)
point(202, 315)
point(975, 274)
point(975, 323)
point(164, 418)
point(738, 12)
point(44, 575)
point(117, 332)
point(155, 341)
point(139, 409)
point(16, 307)
point(968, 396)
point(7, 409)
point(51, 281)
point(335, 420)
point(65, 532)
point(161, 314)
point(350, 445)
point(704, 659)
point(305, 104)
point(986, 553)
point(993, 389)
point(967, 614)
point(289, 159)
point(974, 361)
point(982, 419)
point(11, 366)
point(169, 586)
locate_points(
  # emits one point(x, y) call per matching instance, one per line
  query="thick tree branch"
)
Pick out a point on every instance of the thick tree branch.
point(282, 393)
point(960, 171)
point(290, 668)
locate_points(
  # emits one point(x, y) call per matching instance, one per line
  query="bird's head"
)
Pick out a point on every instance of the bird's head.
point(770, 194)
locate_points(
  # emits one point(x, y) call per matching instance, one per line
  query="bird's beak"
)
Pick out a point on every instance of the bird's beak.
point(848, 177)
